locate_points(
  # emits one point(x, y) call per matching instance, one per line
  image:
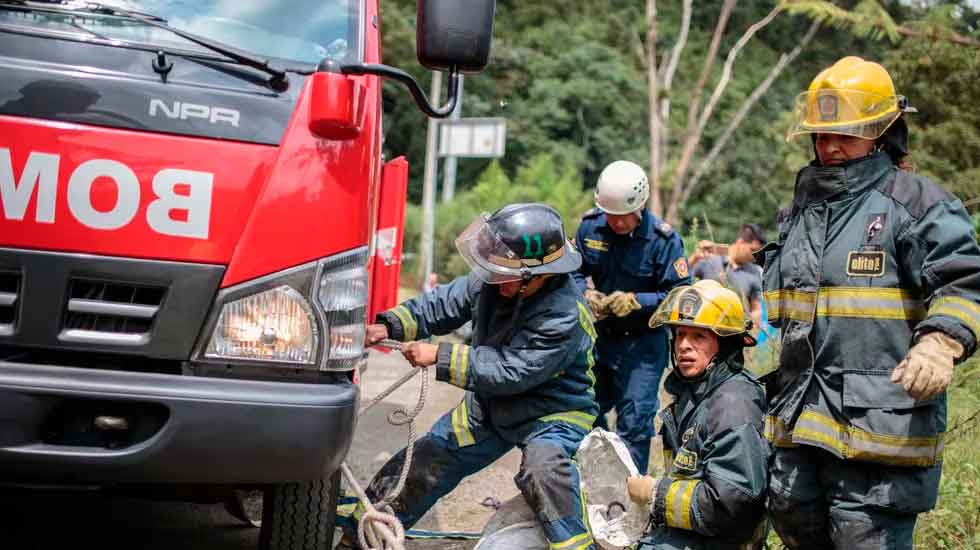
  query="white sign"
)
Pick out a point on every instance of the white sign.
point(473, 137)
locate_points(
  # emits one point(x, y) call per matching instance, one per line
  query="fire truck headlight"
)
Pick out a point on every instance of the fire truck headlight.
point(343, 296)
point(275, 325)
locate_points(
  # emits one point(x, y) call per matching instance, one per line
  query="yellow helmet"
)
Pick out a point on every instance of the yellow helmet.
point(852, 97)
point(705, 304)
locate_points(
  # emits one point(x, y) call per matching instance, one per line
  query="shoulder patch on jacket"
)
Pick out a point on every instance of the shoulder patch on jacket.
point(915, 192)
point(596, 244)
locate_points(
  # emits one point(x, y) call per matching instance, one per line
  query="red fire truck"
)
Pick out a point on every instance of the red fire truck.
point(195, 223)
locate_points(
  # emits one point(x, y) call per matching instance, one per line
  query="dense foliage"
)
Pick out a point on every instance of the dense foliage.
point(570, 78)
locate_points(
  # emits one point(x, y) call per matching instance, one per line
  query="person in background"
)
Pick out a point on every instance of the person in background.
point(633, 260)
point(734, 267)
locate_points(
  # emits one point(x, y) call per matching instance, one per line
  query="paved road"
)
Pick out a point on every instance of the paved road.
point(45, 520)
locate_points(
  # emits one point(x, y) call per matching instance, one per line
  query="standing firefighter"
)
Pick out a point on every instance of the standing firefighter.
point(874, 282)
point(634, 260)
point(528, 373)
point(713, 491)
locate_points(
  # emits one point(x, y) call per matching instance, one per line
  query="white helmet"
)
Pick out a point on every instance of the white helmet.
point(622, 188)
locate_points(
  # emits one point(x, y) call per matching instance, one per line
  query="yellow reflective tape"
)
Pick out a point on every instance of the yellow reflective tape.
point(853, 442)
point(668, 459)
point(584, 545)
point(454, 352)
point(670, 520)
point(409, 327)
point(359, 511)
point(577, 418)
point(802, 435)
point(346, 510)
point(958, 308)
point(776, 433)
point(464, 363)
point(461, 425)
point(585, 319)
point(840, 301)
point(686, 504)
point(870, 303)
point(857, 433)
point(570, 542)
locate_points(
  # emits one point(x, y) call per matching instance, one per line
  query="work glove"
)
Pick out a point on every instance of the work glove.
point(622, 303)
point(642, 489)
point(927, 368)
point(596, 301)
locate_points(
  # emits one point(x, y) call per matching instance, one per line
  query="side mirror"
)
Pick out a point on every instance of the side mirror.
point(454, 34)
point(451, 35)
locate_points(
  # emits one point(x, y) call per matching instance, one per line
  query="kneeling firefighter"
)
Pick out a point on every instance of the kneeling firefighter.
point(527, 375)
point(712, 494)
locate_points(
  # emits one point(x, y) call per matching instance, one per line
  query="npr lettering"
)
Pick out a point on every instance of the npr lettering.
point(39, 178)
point(184, 111)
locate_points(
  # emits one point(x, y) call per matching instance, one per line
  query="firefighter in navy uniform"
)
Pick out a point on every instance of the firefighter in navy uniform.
point(634, 260)
point(712, 494)
point(874, 282)
point(527, 375)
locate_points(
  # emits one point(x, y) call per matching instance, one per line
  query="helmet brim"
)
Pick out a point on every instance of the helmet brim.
point(492, 273)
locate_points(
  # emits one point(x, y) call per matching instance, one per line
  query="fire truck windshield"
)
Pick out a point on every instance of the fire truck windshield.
point(304, 31)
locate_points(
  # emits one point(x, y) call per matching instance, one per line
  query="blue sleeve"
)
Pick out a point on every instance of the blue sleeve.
point(440, 311)
point(547, 344)
point(675, 273)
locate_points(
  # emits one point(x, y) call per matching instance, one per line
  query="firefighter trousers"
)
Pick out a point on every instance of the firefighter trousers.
point(548, 477)
point(817, 500)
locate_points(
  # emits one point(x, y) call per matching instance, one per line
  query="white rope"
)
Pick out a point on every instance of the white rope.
point(377, 529)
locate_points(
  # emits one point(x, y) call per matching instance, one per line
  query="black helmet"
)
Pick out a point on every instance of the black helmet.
point(517, 242)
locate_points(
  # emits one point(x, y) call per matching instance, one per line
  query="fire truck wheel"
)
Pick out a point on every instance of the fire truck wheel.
point(300, 516)
point(246, 506)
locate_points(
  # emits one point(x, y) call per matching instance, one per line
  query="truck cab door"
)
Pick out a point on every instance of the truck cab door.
point(389, 235)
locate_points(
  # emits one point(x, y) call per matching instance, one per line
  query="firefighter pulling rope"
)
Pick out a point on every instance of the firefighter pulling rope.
point(379, 529)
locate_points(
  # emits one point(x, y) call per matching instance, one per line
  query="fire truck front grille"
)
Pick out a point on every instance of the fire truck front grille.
point(110, 313)
point(87, 304)
point(9, 292)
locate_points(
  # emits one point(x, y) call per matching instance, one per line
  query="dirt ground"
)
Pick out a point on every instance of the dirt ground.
point(377, 440)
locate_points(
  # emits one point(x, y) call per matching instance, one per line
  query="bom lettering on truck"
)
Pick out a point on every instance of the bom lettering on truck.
point(174, 190)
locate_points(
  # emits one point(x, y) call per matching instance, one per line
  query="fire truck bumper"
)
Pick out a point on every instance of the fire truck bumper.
point(64, 425)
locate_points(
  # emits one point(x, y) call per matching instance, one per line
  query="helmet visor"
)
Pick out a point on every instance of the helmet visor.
point(845, 112)
point(486, 254)
point(687, 306)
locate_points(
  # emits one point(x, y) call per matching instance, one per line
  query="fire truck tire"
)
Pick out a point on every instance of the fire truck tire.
point(300, 516)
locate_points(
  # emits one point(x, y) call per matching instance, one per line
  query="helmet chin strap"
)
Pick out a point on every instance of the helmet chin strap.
point(526, 277)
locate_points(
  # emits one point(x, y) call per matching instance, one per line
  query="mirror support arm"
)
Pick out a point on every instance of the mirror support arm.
point(413, 86)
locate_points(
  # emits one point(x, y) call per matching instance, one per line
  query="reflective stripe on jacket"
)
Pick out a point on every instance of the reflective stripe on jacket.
point(868, 258)
point(518, 373)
